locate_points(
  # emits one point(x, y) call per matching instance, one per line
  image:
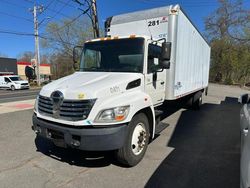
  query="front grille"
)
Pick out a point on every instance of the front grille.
point(73, 110)
point(24, 84)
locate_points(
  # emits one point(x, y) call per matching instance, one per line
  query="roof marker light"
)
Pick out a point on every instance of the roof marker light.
point(173, 11)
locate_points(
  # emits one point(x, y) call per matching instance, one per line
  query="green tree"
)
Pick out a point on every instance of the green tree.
point(61, 65)
point(62, 36)
point(59, 40)
point(227, 31)
point(26, 56)
point(229, 20)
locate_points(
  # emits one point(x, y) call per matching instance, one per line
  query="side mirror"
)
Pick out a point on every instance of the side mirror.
point(244, 99)
point(77, 50)
point(166, 55)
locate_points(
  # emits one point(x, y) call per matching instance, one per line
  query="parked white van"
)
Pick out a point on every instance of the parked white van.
point(13, 82)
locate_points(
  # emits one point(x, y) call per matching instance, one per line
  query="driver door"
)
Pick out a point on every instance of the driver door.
point(6, 82)
point(155, 79)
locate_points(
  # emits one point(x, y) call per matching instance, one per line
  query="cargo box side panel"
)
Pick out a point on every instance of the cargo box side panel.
point(155, 28)
point(206, 66)
point(192, 58)
point(152, 23)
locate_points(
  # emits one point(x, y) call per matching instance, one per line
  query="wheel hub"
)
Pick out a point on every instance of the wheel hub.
point(138, 139)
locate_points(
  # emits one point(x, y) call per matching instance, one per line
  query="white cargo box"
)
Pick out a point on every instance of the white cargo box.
point(190, 56)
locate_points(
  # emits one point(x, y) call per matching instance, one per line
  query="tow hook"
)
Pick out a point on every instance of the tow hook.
point(37, 130)
point(75, 143)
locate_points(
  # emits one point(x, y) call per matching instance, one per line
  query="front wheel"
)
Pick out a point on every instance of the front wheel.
point(137, 141)
point(12, 88)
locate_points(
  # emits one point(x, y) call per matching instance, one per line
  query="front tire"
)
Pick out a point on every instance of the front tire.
point(136, 145)
point(12, 88)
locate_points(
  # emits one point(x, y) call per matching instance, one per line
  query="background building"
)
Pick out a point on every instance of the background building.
point(45, 71)
point(8, 66)
point(11, 66)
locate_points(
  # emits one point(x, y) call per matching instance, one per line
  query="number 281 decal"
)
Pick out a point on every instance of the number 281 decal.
point(153, 23)
point(157, 21)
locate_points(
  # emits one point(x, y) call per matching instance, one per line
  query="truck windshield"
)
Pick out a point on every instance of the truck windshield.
point(123, 55)
point(15, 78)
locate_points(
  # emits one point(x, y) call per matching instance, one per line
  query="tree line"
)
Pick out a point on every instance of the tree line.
point(228, 33)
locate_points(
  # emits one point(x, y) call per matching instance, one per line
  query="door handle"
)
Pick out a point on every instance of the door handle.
point(245, 131)
point(162, 83)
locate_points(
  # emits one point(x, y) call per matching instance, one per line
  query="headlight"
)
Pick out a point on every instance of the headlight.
point(112, 115)
point(17, 83)
point(36, 105)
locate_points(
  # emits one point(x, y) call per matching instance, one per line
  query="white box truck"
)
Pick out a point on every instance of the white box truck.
point(147, 57)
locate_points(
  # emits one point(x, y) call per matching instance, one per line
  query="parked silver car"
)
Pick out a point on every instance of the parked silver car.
point(245, 141)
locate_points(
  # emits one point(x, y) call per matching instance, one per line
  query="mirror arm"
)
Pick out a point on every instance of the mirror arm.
point(160, 70)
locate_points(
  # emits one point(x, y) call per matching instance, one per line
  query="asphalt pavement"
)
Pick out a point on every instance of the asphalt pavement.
point(18, 95)
point(199, 149)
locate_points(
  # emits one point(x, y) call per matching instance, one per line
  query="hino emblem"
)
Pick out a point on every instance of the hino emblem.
point(57, 99)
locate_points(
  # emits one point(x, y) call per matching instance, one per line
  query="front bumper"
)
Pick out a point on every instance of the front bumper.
point(25, 86)
point(83, 138)
point(22, 86)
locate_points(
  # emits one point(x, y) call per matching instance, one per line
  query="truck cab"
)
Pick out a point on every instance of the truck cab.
point(132, 55)
point(111, 97)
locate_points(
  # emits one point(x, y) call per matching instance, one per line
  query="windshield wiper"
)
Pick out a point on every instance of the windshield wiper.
point(93, 69)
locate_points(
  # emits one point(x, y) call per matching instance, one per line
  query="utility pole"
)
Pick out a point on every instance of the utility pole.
point(91, 11)
point(94, 18)
point(37, 9)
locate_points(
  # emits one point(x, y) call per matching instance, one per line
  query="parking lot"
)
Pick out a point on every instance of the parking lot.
point(197, 149)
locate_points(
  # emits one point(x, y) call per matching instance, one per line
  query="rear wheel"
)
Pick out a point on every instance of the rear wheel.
point(136, 145)
point(12, 88)
point(197, 104)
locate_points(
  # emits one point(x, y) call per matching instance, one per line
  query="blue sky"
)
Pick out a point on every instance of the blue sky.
point(16, 17)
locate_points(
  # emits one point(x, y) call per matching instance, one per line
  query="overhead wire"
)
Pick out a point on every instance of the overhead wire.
point(48, 5)
point(16, 33)
point(43, 35)
point(50, 9)
point(31, 35)
point(52, 39)
point(68, 5)
point(57, 12)
point(14, 4)
point(15, 16)
point(69, 23)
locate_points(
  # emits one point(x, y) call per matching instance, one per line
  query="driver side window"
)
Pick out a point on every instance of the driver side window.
point(154, 53)
point(7, 80)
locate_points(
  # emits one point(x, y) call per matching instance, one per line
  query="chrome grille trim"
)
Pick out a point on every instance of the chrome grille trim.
point(72, 110)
